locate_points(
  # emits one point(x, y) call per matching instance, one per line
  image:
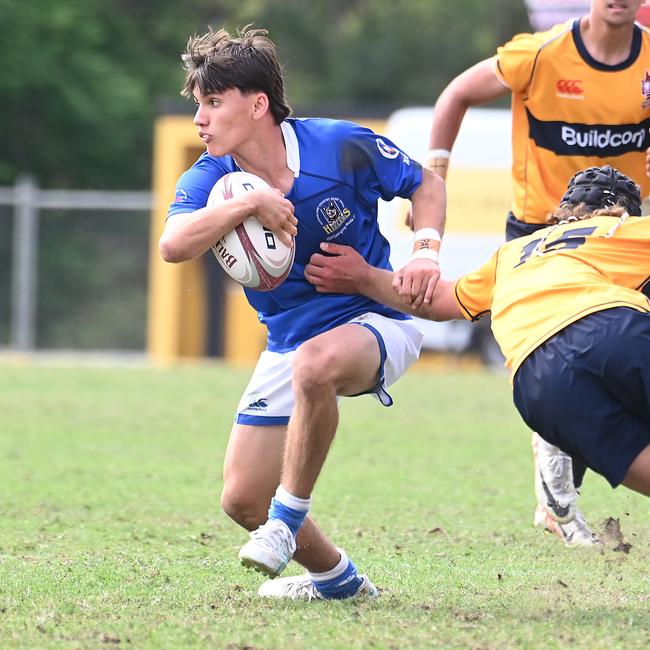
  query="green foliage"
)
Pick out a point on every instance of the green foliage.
point(111, 534)
point(369, 52)
point(81, 81)
point(79, 85)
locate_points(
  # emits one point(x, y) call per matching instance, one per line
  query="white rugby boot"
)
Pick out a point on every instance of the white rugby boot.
point(302, 588)
point(269, 549)
point(557, 496)
point(573, 533)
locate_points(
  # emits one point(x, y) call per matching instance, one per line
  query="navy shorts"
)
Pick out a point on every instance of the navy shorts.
point(516, 228)
point(587, 390)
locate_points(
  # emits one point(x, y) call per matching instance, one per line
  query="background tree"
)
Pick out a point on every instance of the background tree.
point(81, 80)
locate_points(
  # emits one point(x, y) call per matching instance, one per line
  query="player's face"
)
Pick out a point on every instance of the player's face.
point(224, 120)
point(616, 12)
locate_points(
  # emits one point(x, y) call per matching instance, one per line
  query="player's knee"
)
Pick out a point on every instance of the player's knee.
point(313, 369)
point(245, 509)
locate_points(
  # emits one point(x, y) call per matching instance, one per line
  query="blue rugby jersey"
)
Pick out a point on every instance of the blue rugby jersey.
point(341, 169)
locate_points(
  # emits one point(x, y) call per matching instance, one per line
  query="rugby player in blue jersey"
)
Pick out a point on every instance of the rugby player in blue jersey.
point(326, 178)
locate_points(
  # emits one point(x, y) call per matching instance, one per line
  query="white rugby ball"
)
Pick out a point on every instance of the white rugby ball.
point(250, 253)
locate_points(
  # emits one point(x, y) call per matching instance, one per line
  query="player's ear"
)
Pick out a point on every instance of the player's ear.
point(260, 106)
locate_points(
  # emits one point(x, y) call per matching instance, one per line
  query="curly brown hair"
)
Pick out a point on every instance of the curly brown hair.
point(567, 213)
point(217, 61)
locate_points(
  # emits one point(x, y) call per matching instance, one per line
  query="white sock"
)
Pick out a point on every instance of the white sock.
point(334, 572)
point(287, 499)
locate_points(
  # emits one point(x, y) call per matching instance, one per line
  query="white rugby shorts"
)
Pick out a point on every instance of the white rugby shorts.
point(268, 399)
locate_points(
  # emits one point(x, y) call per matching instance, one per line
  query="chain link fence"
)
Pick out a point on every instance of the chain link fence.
point(74, 269)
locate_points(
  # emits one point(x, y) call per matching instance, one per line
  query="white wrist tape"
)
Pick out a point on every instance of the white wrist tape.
point(427, 233)
point(425, 254)
point(438, 153)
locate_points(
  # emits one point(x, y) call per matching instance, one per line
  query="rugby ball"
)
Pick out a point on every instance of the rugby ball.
point(250, 253)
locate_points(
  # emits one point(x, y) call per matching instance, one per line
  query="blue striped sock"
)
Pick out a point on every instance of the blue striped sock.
point(291, 517)
point(344, 585)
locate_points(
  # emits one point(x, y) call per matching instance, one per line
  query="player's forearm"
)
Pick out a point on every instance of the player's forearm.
point(377, 284)
point(188, 236)
point(475, 86)
point(448, 115)
point(429, 203)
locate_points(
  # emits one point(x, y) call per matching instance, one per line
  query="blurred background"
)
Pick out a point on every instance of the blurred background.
point(85, 89)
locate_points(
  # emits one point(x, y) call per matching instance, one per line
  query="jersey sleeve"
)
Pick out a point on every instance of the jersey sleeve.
point(381, 169)
point(194, 187)
point(514, 62)
point(474, 290)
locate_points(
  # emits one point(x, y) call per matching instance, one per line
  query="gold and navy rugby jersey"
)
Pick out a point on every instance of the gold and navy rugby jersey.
point(533, 291)
point(570, 112)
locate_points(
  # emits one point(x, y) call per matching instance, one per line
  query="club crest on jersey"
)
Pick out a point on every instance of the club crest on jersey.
point(181, 196)
point(332, 214)
point(645, 89)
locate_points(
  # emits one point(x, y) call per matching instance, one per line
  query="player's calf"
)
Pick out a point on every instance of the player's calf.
point(554, 485)
point(557, 509)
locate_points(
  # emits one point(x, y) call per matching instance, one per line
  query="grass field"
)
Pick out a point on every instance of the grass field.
point(111, 534)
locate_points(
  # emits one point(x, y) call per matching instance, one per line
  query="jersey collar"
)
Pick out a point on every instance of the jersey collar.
point(589, 60)
point(291, 145)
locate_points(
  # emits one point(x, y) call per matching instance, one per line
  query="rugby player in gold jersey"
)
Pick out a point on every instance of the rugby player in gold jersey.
point(580, 97)
point(571, 313)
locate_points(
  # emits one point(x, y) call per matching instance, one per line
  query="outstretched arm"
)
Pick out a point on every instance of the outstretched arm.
point(477, 85)
point(343, 270)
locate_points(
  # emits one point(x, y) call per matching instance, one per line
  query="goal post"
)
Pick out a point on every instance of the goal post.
point(176, 309)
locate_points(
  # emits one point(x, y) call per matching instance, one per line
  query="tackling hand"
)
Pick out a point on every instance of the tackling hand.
point(341, 270)
point(416, 282)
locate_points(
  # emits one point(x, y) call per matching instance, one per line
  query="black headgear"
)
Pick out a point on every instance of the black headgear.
point(603, 187)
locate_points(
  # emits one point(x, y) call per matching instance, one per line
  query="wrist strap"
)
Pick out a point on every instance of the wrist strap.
point(427, 233)
point(438, 153)
point(425, 254)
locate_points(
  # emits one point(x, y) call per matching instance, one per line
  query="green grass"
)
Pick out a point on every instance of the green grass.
point(111, 534)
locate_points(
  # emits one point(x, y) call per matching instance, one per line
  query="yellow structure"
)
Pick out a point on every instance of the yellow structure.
point(177, 307)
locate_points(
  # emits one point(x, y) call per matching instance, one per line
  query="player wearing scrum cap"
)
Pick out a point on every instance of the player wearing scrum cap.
point(580, 97)
point(571, 313)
